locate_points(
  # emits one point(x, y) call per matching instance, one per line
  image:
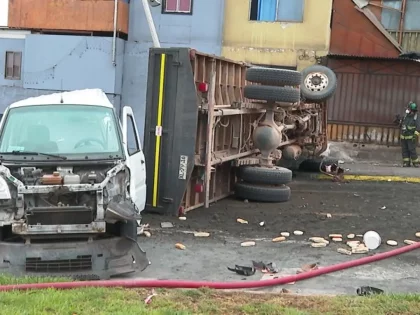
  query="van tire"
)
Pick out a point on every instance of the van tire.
point(314, 86)
point(270, 76)
point(262, 193)
point(265, 175)
point(272, 93)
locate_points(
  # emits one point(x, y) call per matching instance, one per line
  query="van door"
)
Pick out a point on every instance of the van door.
point(135, 159)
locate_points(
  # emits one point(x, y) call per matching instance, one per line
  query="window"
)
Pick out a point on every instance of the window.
point(277, 10)
point(74, 131)
point(13, 65)
point(177, 6)
point(132, 140)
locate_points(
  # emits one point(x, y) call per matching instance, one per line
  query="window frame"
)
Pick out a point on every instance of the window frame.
point(15, 55)
point(130, 119)
point(164, 11)
point(277, 20)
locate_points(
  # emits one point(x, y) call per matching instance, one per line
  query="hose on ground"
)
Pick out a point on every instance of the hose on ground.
point(182, 284)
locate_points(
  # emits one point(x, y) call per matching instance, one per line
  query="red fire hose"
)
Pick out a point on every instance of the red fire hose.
point(214, 285)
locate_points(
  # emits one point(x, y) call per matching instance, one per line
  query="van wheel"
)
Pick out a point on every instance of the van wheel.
point(272, 93)
point(265, 175)
point(262, 193)
point(270, 76)
point(319, 83)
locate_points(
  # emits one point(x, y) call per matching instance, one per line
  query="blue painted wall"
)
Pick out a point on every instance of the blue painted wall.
point(53, 63)
point(202, 30)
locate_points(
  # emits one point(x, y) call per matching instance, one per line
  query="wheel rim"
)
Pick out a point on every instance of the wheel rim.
point(316, 81)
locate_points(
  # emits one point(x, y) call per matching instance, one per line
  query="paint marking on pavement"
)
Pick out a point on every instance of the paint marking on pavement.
point(376, 178)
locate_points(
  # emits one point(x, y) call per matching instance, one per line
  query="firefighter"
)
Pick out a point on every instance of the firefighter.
point(410, 129)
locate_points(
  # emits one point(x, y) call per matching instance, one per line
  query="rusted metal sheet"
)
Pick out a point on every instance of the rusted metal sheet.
point(410, 40)
point(68, 15)
point(352, 33)
point(363, 134)
point(370, 93)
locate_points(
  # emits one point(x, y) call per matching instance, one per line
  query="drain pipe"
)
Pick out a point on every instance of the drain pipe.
point(151, 24)
point(114, 36)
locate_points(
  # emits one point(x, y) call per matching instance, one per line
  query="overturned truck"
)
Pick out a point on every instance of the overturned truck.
point(215, 127)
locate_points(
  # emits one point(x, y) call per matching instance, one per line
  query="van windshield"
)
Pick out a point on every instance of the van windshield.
point(73, 131)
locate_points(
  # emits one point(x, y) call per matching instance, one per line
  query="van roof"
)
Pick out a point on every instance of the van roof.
point(90, 97)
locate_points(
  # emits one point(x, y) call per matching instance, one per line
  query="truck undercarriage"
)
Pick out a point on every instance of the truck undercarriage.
point(214, 127)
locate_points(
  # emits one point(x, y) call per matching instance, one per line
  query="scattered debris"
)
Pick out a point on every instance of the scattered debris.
point(337, 239)
point(344, 251)
point(333, 170)
point(340, 162)
point(383, 208)
point(392, 243)
point(317, 245)
point(335, 236)
point(308, 267)
point(329, 215)
point(201, 234)
point(180, 246)
point(372, 240)
point(243, 270)
point(286, 291)
point(262, 223)
point(148, 300)
point(248, 244)
point(165, 225)
point(147, 233)
point(285, 234)
point(359, 235)
point(409, 242)
point(319, 240)
point(279, 239)
point(363, 291)
point(182, 218)
point(353, 244)
point(246, 201)
point(297, 232)
point(351, 236)
point(265, 268)
point(361, 249)
point(356, 195)
point(418, 234)
point(242, 221)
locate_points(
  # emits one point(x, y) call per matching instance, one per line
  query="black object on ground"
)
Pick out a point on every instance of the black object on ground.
point(364, 291)
point(270, 267)
point(243, 270)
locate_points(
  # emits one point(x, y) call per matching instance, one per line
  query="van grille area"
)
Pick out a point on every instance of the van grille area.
point(64, 265)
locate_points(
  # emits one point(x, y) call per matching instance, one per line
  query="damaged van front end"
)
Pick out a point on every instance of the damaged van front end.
point(63, 212)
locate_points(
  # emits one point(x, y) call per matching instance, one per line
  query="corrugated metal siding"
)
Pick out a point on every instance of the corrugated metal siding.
point(69, 15)
point(369, 95)
point(411, 40)
point(353, 34)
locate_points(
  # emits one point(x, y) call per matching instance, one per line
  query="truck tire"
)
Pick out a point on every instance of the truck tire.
point(318, 83)
point(265, 175)
point(272, 93)
point(270, 76)
point(262, 193)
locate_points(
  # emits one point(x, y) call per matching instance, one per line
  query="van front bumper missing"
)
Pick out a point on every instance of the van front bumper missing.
point(90, 260)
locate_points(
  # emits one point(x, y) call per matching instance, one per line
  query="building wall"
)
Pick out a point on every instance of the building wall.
point(201, 30)
point(53, 63)
point(277, 43)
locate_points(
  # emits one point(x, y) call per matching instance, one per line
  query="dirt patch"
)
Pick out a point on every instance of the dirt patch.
point(391, 209)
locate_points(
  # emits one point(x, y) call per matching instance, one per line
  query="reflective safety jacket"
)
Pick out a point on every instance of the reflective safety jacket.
point(410, 126)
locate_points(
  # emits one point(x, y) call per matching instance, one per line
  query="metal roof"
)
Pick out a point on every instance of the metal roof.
point(343, 56)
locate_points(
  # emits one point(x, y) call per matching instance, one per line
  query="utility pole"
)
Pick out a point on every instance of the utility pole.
point(150, 22)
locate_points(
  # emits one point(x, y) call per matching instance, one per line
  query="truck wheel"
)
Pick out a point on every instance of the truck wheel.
point(272, 76)
point(272, 93)
point(265, 175)
point(262, 193)
point(318, 83)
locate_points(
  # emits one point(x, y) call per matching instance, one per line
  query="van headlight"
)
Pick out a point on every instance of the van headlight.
point(4, 190)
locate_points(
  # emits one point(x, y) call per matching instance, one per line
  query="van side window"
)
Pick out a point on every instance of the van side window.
point(132, 139)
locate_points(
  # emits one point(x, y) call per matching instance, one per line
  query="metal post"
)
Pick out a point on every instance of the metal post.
point(209, 136)
point(114, 37)
point(401, 26)
point(151, 24)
